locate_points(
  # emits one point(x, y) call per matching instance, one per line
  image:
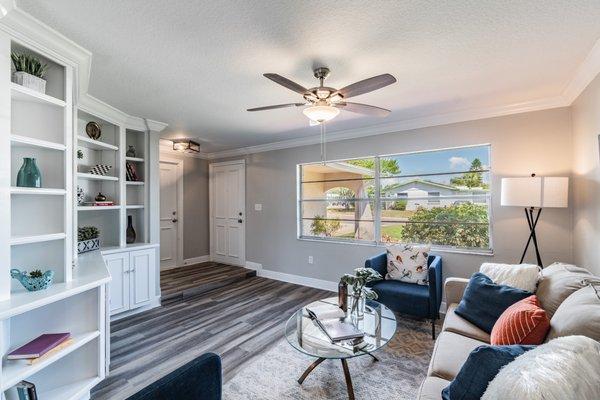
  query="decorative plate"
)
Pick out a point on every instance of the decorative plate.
point(93, 130)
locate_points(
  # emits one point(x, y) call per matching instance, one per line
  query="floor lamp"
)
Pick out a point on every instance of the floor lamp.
point(535, 193)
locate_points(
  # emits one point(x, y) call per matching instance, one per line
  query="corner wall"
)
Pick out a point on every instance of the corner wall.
point(586, 178)
point(537, 142)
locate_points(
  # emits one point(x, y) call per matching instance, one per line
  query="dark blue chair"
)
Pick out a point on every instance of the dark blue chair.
point(200, 379)
point(418, 300)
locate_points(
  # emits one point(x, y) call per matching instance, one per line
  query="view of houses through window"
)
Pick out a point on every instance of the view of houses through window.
point(440, 197)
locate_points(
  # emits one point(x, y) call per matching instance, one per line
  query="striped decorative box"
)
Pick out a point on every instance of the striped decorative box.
point(100, 169)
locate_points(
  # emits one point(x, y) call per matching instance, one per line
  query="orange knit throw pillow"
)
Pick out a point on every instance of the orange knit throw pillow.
point(525, 322)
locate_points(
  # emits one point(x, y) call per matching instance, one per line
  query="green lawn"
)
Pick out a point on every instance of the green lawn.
point(393, 231)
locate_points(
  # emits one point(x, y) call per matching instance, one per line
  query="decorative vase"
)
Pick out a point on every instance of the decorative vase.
point(29, 81)
point(30, 283)
point(88, 245)
point(358, 305)
point(29, 175)
point(130, 231)
point(130, 151)
point(93, 130)
point(100, 197)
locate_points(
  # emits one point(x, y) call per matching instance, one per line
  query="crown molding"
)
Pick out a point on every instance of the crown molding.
point(34, 34)
point(584, 75)
point(400, 126)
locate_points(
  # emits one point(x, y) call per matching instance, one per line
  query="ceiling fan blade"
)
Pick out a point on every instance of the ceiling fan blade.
point(363, 109)
point(367, 85)
point(286, 83)
point(276, 106)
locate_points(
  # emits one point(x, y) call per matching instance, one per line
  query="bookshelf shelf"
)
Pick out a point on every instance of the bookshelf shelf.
point(37, 191)
point(15, 371)
point(19, 140)
point(84, 175)
point(135, 206)
point(22, 93)
point(134, 159)
point(19, 240)
point(71, 391)
point(97, 208)
point(94, 144)
point(135, 183)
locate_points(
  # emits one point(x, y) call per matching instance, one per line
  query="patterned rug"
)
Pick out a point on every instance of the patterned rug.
point(398, 375)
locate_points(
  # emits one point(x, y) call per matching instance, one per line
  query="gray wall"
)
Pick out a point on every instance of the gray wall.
point(195, 205)
point(537, 142)
point(586, 178)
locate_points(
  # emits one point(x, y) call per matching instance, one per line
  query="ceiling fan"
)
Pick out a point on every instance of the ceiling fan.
point(324, 103)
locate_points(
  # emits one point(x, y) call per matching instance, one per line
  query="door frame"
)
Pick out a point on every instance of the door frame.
point(179, 262)
point(211, 201)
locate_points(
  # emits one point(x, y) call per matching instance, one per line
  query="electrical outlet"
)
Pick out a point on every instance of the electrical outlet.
point(310, 259)
point(258, 207)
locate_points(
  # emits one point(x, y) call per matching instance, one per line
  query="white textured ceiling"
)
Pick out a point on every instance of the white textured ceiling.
point(197, 65)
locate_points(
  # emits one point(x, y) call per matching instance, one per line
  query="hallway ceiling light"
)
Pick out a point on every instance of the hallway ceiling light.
point(186, 146)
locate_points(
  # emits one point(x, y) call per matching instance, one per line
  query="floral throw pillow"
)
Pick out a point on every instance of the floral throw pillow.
point(408, 263)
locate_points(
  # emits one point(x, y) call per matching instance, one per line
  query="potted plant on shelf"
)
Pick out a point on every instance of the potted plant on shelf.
point(29, 72)
point(360, 293)
point(87, 239)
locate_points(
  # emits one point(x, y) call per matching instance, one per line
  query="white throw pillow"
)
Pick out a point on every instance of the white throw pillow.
point(408, 263)
point(522, 276)
point(566, 368)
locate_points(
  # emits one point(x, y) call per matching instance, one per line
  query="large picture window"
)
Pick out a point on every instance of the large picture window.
point(440, 197)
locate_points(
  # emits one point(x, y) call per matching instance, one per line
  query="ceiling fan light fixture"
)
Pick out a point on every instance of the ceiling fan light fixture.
point(321, 113)
point(323, 93)
point(336, 98)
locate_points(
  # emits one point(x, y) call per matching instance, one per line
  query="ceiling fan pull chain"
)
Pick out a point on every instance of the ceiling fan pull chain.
point(323, 143)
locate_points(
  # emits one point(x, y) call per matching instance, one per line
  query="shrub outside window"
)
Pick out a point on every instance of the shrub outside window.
point(440, 197)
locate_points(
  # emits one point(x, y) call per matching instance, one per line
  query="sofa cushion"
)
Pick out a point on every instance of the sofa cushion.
point(457, 324)
point(450, 353)
point(484, 301)
point(558, 281)
point(525, 322)
point(403, 297)
point(562, 369)
point(579, 314)
point(408, 263)
point(431, 388)
point(482, 365)
point(522, 276)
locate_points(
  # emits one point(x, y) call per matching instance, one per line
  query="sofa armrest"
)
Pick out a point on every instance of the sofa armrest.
point(454, 289)
point(435, 285)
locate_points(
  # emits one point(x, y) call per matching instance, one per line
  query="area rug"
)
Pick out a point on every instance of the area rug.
point(398, 375)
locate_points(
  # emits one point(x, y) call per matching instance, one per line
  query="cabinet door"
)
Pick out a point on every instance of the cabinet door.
point(143, 277)
point(118, 289)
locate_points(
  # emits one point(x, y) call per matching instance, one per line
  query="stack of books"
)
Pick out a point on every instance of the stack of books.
point(333, 329)
point(131, 172)
point(26, 391)
point(41, 347)
point(99, 203)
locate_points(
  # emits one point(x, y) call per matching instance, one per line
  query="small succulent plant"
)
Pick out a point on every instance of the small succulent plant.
point(87, 233)
point(80, 154)
point(36, 273)
point(29, 64)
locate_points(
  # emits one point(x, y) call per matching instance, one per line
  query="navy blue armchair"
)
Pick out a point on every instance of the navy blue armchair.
point(409, 298)
point(200, 379)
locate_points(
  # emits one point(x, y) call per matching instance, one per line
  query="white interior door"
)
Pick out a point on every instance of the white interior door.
point(169, 215)
point(228, 213)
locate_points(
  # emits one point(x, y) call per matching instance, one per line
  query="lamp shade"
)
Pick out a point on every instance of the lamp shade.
point(535, 192)
point(521, 192)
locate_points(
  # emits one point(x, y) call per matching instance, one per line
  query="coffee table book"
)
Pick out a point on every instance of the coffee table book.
point(38, 346)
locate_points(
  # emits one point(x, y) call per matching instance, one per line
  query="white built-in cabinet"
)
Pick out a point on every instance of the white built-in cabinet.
point(133, 279)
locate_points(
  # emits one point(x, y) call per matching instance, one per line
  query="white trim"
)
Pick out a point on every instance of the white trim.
point(585, 73)
point(211, 167)
point(299, 280)
point(180, 217)
point(254, 266)
point(197, 260)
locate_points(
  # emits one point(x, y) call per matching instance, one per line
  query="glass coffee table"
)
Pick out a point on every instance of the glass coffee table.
point(378, 324)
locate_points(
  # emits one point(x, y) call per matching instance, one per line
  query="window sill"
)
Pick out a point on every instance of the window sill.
point(485, 253)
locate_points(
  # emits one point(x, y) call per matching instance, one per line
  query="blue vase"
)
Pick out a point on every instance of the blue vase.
point(29, 175)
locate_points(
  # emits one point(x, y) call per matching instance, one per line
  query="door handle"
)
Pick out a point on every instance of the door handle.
point(174, 220)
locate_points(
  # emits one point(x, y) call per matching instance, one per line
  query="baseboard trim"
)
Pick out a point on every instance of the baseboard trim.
point(299, 280)
point(196, 260)
point(253, 265)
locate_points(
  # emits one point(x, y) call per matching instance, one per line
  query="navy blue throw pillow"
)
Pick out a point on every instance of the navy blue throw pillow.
point(481, 367)
point(484, 301)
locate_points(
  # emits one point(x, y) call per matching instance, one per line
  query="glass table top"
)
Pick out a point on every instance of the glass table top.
point(378, 324)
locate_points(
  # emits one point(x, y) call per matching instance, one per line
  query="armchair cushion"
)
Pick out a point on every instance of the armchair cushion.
point(403, 297)
point(408, 263)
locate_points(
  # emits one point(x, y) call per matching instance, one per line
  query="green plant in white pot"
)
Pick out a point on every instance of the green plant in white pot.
point(88, 239)
point(29, 71)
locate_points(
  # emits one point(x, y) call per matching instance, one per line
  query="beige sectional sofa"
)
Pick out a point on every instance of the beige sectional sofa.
point(459, 337)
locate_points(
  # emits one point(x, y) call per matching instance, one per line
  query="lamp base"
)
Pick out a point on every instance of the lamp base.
point(532, 220)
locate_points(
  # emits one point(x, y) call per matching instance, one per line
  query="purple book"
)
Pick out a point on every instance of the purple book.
point(38, 346)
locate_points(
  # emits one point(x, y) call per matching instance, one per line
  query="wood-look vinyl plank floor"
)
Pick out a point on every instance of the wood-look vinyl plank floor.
point(237, 321)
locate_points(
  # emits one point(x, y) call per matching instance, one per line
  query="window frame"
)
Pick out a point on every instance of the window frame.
point(377, 200)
